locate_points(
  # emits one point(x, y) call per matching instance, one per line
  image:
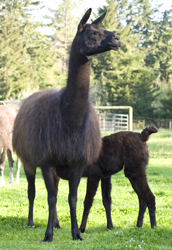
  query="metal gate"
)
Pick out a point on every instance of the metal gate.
point(113, 122)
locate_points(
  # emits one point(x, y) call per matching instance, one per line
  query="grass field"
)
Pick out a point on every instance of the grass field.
point(15, 234)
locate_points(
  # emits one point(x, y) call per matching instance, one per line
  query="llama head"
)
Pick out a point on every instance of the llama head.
point(93, 39)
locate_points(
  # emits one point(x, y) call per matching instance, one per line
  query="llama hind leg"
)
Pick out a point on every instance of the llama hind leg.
point(2, 181)
point(146, 199)
point(92, 185)
point(10, 160)
point(145, 196)
point(142, 202)
point(106, 195)
point(18, 171)
point(31, 194)
point(2, 163)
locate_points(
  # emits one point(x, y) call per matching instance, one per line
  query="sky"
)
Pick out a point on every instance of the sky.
point(94, 4)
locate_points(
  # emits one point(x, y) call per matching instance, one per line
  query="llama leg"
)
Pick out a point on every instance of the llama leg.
point(2, 163)
point(106, 195)
point(150, 201)
point(56, 221)
point(142, 204)
point(2, 181)
point(72, 198)
point(146, 198)
point(31, 194)
point(10, 160)
point(48, 175)
point(92, 185)
point(18, 171)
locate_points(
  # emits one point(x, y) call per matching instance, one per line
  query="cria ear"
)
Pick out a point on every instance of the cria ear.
point(99, 19)
point(84, 20)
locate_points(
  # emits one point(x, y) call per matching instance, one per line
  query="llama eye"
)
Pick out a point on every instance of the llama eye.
point(93, 34)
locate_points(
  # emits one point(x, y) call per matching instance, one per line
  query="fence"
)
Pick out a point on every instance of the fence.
point(120, 122)
point(113, 122)
point(142, 122)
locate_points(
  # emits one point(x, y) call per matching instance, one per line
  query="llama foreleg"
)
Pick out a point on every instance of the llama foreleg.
point(56, 181)
point(48, 175)
point(72, 198)
point(106, 196)
point(31, 194)
point(92, 185)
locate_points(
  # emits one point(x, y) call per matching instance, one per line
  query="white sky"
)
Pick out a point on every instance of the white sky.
point(94, 4)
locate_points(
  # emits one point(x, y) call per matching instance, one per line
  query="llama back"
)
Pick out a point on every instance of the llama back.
point(47, 136)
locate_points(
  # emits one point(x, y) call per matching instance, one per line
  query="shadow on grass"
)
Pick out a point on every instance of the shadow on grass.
point(16, 231)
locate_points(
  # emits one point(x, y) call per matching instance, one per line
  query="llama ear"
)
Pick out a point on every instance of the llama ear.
point(99, 19)
point(84, 20)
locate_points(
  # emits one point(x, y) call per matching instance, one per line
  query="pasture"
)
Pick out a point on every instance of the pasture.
point(15, 234)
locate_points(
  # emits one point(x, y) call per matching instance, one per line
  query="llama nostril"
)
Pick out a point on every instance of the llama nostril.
point(115, 37)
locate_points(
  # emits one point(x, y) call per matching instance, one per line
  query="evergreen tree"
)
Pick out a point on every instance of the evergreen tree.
point(64, 26)
point(25, 54)
point(125, 79)
point(12, 57)
point(165, 47)
point(166, 108)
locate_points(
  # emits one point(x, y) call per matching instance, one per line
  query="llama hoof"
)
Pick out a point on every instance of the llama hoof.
point(56, 224)
point(30, 224)
point(2, 184)
point(153, 226)
point(82, 229)
point(77, 237)
point(110, 226)
point(48, 238)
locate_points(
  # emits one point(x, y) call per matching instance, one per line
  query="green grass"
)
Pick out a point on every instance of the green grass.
point(15, 234)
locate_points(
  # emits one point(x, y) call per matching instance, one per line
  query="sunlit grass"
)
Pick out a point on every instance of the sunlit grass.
point(15, 234)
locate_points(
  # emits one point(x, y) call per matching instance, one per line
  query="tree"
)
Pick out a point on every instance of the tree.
point(165, 47)
point(64, 26)
point(25, 54)
point(125, 79)
point(12, 61)
point(166, 108)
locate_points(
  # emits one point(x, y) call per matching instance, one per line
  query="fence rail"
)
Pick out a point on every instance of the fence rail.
point(142, 122)
point(113, 122)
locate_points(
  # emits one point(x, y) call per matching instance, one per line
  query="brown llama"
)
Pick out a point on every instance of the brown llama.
point(7, 116)
point(122, 149)
point(55, 129)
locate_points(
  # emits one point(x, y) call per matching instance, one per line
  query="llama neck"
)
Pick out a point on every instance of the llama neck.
point(75, 99)
point(79, 72)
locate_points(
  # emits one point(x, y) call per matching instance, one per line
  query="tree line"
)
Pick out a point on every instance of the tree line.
point(138, 75)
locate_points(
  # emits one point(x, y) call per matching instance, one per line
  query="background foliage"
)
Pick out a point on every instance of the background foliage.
point(138, 75)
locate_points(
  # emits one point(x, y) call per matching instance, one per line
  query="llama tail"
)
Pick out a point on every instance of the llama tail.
point(147, 132)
